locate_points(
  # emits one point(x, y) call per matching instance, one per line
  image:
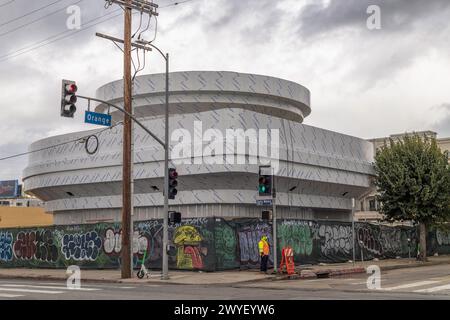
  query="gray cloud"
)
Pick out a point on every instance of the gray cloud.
point(442, 126)
point(326, 48)
point(397, 15)
point(410, 29)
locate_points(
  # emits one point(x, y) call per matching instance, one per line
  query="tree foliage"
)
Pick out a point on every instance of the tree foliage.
point(413, 180)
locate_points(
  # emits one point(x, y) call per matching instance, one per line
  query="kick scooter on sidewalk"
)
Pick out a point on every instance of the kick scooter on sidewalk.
point(143, 270)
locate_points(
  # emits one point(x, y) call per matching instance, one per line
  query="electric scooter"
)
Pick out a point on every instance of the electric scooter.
point(143, 271)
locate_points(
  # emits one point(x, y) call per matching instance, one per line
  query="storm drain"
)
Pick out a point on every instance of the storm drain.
point(321, 275)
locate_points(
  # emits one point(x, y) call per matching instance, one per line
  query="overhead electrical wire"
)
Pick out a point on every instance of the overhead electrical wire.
point(38, 19)
point(6, 3)
point(175, 4)
point(33, 47)
point(57, 37)
point(42, 42)
point(60, 144)
point(30, 13)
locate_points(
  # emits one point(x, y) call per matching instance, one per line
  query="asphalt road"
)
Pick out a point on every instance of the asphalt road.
point(413, 283)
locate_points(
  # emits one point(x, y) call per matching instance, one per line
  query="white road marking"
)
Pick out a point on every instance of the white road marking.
point(93, 286)
point(6, 295)
point(365, 282)
point(410, 285)
point(47, 287)
point(30, 290)
point(434, 289)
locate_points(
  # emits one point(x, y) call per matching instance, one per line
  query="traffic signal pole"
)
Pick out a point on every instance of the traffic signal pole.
point(274, 224)
point(165, 265)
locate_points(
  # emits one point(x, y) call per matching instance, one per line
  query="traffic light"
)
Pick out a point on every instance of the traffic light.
point(174, 217)
point(173, 183)
point(265, 185)
point(68, 98)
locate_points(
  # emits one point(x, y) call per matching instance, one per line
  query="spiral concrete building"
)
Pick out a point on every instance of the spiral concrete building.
point(319, 171)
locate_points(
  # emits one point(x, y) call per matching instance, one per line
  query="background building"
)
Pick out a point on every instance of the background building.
point(319, 170)
point(368, 207)
point(18, 210)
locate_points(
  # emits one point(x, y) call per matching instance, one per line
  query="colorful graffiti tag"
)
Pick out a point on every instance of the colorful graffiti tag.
point(79, 247)
point(225, 246)
point(6, 243)
point(249, 234)
point(36, 245)
point(188, 242)
point(297, 235)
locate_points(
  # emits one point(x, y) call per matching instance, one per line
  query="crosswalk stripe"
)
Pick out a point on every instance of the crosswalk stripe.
point(362, 282)
point(434, 289)
point(47, 287)
point(92, 286)
point(6, 295)
point(410, 285)
point(30, 290)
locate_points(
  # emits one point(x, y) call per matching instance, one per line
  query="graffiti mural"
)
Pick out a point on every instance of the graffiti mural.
point(249, 234)
point(385, 242)
point(38, 245)
point(6, 242)
point(79, 247)
point(112, 242)
point(188, 242)
point(226, 246)
point(336, 240)
point(297, 235)
point(209, 243)
point(443, 237)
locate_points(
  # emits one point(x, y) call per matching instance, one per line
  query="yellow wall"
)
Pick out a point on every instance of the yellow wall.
point(13, 217)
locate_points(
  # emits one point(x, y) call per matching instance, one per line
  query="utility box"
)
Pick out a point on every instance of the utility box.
point(174, 217)
point(266, 215)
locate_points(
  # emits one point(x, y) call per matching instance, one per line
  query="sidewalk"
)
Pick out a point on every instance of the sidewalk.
point(340, 269)
point(231, 277)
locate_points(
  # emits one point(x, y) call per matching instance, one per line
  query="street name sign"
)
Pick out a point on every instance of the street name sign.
point(97, 118)
point(264, 202)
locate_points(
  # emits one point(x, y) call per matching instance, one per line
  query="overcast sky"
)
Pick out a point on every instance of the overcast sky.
point(366, 83)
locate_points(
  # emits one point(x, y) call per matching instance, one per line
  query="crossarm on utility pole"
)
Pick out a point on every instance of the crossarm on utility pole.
point(128, 114)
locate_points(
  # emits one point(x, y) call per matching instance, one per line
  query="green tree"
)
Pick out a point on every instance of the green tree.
point(413, 182)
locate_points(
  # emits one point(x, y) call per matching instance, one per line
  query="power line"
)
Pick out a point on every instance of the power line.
point(6, 3)
point(54, 38)
point(175, 4)
point(38, 19)
point(42, 44)
point(30, 13)
point(59, 144)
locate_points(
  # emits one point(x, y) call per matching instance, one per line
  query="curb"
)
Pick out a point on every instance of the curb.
point(43, 278)
point(300, 275)
point(414, 265)
point(28, 277)
point(314, 274)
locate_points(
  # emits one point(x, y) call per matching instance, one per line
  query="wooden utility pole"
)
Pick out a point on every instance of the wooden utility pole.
point(148, 7)
point(126, 174)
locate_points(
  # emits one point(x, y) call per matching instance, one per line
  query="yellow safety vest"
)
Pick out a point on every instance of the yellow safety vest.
point(263, 247)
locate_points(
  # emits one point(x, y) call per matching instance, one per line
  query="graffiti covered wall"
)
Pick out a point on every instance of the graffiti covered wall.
point(209, 244)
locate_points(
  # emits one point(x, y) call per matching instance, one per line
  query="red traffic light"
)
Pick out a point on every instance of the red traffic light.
point(173, 174)
point(71, 88)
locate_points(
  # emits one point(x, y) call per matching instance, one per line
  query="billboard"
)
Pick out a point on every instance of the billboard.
point(9, 189)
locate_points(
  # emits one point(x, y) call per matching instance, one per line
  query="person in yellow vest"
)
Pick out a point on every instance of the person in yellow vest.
point(264, 251)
